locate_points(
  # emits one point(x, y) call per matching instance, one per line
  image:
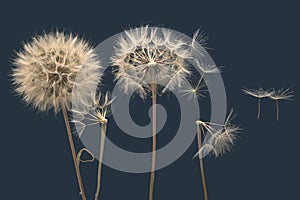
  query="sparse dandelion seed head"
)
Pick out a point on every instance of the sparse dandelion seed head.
point(224, 139)
point(46, 69)
point(146, 55)
point(101, 107)
point(96, 113)
point(222, 136)
point(282, 94)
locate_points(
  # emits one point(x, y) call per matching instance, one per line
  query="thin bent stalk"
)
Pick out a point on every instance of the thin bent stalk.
point(153, 88)
point(201, 164)
point(102, 139)
point(258, 109)
point(277, 110)
point(72, 146)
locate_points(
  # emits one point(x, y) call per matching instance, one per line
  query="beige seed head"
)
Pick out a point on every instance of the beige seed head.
point(97, 112)
point(146, 55)
point(46, 70)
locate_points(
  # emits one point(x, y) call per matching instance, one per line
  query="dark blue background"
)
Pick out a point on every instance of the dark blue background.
point(257, 42)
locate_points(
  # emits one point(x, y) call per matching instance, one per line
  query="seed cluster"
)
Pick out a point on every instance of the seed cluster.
point(46, 70)
point(156, 55)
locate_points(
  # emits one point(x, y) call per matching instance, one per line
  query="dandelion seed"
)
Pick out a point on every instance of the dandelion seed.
point(259, 94)
point(194, 91)
point(282, 94)
point(199, 37)
point(45, 74)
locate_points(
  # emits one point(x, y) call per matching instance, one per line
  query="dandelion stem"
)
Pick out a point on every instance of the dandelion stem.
point(258, 109)
point(102, 139)
point(153, 88)
point(72, 146)
point(277, 110)
point(201, 164)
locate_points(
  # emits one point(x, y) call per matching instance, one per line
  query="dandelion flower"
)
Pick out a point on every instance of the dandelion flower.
point(282, 94)
point(147, 57)
point(46, 72)
point(151, 59)
point(259, 94)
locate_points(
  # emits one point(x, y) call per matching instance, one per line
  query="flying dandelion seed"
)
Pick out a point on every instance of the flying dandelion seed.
point(196, 90)
point(282, 94)
point(45, 75)
point(96, 113)
point(259, 94)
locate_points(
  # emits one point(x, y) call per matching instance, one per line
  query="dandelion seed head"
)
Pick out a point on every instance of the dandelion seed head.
point(96, 113)
point(222, 136)
point(46, 69)
point(224, 140)
point(150, 55)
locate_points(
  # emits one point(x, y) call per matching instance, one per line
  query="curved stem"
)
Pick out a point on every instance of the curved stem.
point(258, 109)
point(277, 110)
point(72, 146)
point(201, 164)
point(102, 139)
point(151, 188)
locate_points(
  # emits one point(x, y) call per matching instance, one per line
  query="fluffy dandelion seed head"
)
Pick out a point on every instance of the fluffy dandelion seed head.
point(45, 71)
point(150, 55)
